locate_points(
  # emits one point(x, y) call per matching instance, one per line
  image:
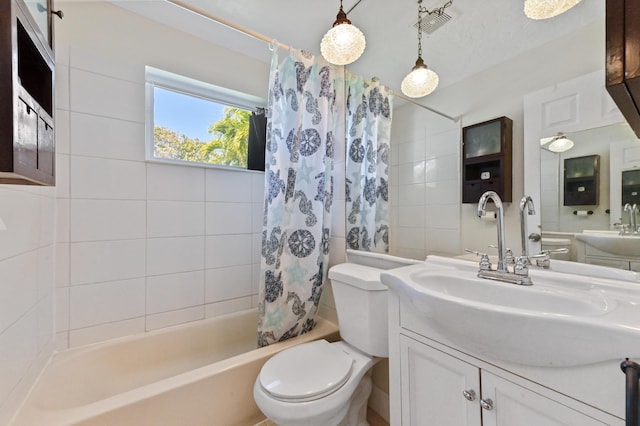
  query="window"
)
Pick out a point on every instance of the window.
point(189, 121)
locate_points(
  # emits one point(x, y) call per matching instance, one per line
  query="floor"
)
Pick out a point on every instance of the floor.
point(373, 418)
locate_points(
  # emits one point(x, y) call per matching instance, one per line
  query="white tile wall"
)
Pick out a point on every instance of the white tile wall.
point(27, 289)
point(424, 185)
point(142, 245)
point(94, 304)
point(101, 261)
point(175, 291)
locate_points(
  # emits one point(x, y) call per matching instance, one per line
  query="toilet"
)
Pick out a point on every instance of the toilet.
point(328, 384)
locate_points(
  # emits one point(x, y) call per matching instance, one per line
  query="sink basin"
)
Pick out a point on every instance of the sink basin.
point(562, 320)
point(611, 242)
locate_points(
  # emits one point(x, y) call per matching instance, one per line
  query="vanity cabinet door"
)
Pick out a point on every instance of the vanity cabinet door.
point(514, 405)
point(432, 387)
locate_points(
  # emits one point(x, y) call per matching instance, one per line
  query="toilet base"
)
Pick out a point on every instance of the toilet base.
point(357, 414)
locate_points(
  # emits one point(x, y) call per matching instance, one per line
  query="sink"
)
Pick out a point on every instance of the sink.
point(561, 320)
point(611, 242)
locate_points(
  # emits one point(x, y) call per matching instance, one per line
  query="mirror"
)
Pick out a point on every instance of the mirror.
point(618, 151)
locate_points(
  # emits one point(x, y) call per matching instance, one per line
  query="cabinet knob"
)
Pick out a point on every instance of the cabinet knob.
point(487, 404)
point(470, 394)
point(58, 13)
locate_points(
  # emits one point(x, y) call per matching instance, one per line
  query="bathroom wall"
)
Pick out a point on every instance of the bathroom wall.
point(424, 181)
point(144, 245)
point(429, 226)
point(26, 289)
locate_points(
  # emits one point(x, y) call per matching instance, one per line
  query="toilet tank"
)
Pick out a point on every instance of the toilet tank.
point(361, 304)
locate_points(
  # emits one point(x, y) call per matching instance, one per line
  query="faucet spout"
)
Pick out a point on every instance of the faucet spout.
point(632, 216)
point(482, 210)
point(526, 202)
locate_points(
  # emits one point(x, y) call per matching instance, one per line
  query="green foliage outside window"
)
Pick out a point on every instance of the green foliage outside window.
point(228, 146)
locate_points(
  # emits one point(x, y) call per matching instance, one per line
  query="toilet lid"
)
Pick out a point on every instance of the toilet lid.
point(306, 372)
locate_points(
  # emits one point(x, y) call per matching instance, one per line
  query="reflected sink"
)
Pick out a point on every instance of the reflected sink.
point(611, 242)
point(562, 320)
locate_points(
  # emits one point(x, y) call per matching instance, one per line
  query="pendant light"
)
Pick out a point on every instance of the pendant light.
point(544, 9)
point(421, 80)
point(343, 43)
point(558, 143)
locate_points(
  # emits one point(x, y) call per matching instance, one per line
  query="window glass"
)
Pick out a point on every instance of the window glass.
point(195, 122)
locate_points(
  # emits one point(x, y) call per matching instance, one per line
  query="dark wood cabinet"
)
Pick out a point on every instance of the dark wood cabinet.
point(582, 181)
point(623, 58)
point(487, 159)
point(27, 141)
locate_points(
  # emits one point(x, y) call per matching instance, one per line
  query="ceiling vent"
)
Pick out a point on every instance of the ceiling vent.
point(433, 21)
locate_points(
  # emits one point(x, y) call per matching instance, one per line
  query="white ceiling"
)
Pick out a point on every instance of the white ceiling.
point(482, 33)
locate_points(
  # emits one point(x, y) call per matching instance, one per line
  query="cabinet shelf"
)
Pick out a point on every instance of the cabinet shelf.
point(27, 141)
point(486, 159)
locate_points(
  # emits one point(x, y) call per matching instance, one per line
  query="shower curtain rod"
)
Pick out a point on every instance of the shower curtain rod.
point(272, 41)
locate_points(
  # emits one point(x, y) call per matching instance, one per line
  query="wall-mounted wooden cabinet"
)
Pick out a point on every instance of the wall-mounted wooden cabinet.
point(27, 142)
point(582, 181)
point(623, 58)
point(486, 159)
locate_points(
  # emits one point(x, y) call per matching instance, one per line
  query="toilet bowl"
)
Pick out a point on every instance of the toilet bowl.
point(315, 384)
point(328, 384)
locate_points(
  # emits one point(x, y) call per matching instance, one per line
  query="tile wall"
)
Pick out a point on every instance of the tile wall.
point(424, 184)
point(26, 289)
point(142, 245)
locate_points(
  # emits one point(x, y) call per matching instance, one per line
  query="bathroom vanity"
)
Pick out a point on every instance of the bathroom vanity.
point(461, 359)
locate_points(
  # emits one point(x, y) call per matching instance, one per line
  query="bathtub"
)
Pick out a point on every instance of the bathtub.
point(200, 373)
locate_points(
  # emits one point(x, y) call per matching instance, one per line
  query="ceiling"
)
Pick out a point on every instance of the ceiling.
point(480, 34)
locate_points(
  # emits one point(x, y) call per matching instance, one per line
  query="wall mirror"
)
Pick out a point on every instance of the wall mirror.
point(615, 146)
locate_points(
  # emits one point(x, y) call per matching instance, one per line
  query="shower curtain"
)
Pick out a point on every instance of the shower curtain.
point(306, 98)
point(368, 136)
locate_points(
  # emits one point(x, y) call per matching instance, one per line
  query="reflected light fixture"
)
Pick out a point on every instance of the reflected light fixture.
point(544, 9)
point(344, 42)
point(560, 143)
point(421, 80)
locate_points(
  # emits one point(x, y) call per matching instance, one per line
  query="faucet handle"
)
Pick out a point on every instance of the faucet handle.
point(521, 267)
point(543, 259)
point(485, 263)
point(509, 258)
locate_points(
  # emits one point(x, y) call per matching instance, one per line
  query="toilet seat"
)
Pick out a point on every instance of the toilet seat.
point(306, 372)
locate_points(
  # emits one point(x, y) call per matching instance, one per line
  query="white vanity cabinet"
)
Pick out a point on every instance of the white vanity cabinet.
point(440, 389)
point(433, 382)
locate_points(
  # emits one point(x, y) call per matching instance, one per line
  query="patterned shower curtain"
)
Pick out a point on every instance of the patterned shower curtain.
point(302, 121)
point(368, 136)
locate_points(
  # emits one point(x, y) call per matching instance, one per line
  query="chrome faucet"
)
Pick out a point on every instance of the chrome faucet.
point(527, 202)
point(482, 210)
point(632, 210)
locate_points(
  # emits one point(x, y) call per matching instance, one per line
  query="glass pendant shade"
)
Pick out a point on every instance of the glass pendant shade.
point(544, 9)
point(344, 43)
point(561, 144)
point(420, 81)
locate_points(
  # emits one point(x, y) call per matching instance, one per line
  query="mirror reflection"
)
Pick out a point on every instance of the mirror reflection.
point(586, 184)
point(558, 210)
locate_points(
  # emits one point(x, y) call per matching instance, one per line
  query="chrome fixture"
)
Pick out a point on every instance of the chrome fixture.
point(526, 202)
point(482, 210)
point(632, 210)
point(520, 274)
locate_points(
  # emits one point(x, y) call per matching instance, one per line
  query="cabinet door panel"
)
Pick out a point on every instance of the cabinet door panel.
point(514, 405)
point(432, 386)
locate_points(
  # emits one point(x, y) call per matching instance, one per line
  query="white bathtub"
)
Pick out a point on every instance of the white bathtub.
point(200, 373)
